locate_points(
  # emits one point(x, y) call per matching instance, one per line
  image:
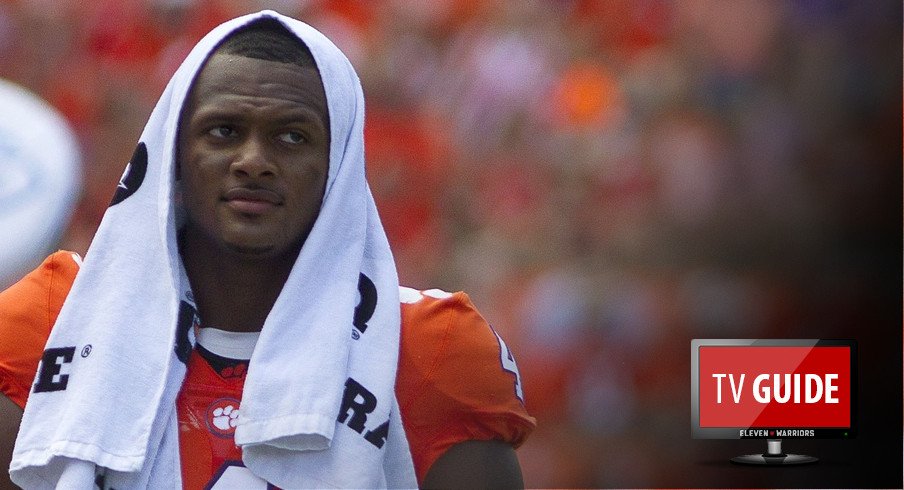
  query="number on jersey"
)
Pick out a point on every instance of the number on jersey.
point(508, 364)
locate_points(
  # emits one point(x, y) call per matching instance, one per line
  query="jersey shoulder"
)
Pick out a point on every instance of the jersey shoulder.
point(457, 378)
point(442, 331)
point(28, 310)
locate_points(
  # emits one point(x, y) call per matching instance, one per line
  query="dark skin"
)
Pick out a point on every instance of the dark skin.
point(476, 464)
point(10, 417)
point(254, 155)
point(253, 161)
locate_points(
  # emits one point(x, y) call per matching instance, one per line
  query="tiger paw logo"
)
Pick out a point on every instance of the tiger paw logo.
point(222, 417)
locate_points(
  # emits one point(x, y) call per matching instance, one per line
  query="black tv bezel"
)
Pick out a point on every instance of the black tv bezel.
point(735, 432)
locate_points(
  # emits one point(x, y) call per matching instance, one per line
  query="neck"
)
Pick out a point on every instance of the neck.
point(232, 291)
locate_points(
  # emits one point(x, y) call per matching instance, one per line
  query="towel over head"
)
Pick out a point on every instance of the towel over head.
point(104, 398)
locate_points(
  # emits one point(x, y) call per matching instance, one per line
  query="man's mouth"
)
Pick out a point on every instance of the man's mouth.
point(252, 201)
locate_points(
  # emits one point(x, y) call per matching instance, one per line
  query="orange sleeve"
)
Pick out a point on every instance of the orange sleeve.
point(28, 310)
point(457, 381)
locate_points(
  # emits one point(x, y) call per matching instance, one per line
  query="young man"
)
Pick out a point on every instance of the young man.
point(237, 320)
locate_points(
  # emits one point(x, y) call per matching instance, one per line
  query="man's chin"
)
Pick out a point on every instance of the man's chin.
point(258, 247)
point(251, 250)
point(258, 252)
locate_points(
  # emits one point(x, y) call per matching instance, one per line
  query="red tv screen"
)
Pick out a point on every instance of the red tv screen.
point(745, 388)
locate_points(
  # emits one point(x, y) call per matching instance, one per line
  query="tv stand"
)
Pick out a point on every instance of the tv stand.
point(774, 456)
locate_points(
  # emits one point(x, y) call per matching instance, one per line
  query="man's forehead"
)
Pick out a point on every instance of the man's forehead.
point(226, 75)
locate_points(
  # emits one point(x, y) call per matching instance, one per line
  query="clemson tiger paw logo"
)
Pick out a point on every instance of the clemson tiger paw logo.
point(222, 416)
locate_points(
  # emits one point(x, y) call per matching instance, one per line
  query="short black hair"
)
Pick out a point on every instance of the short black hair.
point(268, 39)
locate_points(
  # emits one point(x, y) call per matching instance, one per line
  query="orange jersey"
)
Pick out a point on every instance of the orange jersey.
point(456, 381)
point(207, 407)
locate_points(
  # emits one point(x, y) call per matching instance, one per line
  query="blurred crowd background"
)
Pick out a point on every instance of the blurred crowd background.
point(606, 179)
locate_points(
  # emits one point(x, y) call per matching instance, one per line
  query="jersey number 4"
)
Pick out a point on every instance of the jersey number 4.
point(508, 364)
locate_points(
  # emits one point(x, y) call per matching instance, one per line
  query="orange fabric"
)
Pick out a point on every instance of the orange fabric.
point(28, 310)
point(452, 385)
point(206, 406)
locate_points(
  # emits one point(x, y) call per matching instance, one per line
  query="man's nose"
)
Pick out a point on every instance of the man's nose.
point(252, 159)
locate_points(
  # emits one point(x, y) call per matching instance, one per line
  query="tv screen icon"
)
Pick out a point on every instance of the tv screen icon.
point(773, 389)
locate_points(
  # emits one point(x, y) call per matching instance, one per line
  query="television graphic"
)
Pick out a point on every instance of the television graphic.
point(773, 389)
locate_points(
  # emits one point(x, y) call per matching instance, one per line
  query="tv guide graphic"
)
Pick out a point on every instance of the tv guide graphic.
point(773, 389)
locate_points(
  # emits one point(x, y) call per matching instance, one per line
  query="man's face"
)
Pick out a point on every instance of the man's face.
point(254, 145)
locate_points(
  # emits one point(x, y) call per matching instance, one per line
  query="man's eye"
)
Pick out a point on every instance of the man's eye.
point(221, 131)
point(292, 137)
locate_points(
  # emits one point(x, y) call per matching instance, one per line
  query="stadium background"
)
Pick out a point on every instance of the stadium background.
point(607, 180)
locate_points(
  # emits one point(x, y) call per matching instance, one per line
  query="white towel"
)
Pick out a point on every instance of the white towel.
point(127, 322)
